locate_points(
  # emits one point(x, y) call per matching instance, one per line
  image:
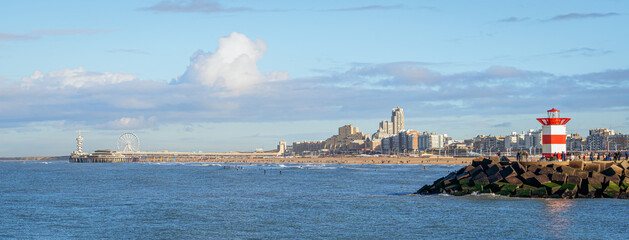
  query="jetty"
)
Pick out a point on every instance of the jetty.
point(571, 179)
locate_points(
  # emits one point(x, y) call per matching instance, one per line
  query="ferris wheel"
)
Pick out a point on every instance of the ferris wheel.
point(128, 142)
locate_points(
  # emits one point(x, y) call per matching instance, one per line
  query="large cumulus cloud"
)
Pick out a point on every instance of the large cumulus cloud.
point(232, 69)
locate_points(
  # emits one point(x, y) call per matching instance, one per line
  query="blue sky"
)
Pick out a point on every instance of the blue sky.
point(239, 75)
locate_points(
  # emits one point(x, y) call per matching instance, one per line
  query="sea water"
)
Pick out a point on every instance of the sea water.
point(310, 201)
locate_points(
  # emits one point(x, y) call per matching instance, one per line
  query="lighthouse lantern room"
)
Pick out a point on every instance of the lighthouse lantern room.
point(553, 134)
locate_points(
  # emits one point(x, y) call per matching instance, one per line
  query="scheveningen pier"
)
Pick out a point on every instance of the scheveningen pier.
point(128, 151)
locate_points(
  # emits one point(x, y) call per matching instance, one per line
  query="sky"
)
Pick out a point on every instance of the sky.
point(238, 75)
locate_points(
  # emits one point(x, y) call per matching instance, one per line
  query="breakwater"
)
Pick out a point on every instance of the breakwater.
point(574, 179)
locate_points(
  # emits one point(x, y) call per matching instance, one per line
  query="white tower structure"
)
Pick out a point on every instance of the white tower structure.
point(79, 143)
point(553, 134)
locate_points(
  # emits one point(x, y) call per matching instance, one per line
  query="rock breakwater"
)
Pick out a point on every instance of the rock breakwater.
point(574, 179)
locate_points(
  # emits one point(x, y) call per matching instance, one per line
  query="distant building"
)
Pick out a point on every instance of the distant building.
point(342, 141)
point(303, 148)
point(281, 148)
point(574, 142)
point(397, 117)
point(430, 141)
point(385, 130)
point(533, 140)
point(598, 138)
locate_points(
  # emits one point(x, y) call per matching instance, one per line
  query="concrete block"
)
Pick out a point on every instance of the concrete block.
point(464, 169)
point(608, 172)
point(612, 179)
point(480, 177)
point(533, 169)
point(624, 164)
point(462, 176)
point(493, 169)
point(582, 174)
point(611, 191)
point(495, 177)
point(546, 171)
point(576, 164)
point(539, 192)
point(605, 165)
point(476, 171)
point(508, 171)
point(523, 192)
point(567, 170)
point(514, 180)
point(574, 180)
point(552, 187)
point(596, 178)
point(592, 167)
point(558, 177)
point(618, 170)
point(518, 167)
point(539, 180)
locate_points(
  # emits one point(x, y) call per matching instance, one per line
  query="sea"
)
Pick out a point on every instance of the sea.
point(62, 200)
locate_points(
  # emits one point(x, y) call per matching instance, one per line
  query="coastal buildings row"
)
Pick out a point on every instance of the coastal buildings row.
point(391, 137)
point(600, 139)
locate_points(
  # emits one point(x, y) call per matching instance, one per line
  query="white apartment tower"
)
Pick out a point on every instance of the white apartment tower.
point(397, 117)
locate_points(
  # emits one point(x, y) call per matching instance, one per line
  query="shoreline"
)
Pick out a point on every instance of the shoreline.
point(351, 160)
point(298, 160)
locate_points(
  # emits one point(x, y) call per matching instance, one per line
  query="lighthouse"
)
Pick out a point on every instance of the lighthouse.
point(553, 134)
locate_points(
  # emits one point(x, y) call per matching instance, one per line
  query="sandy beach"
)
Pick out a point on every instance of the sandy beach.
point(357, 160)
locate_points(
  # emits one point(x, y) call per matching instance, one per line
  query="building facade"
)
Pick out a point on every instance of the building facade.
point(397, 117)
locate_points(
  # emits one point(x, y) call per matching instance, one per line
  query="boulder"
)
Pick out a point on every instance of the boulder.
point(567, 170)
point(592, 167)
point(508, 171)
point(612, 179)
point(533, 169)
point(480, 178)
point(596, 180)
point(539, 192)
point(462, 176)
point(450, 181)
point(518, 167)
point(523, 192)
point(576, 164)
point(573, 180)
point(611, 191)
point(527, 177)
point(624, 164)
point(552, 187)
point(493, 169)
point(613, 170)
point(514, 180)
point(507, 189)
point(546, 171)
point(582, 174)
point(539, 180)
point(604, 165)
point(423, 190)
point(464, 169)
point(590, 191)
point(477, 162)
point(558, 177)
point(569, 190)
point(495, 177)
point(476, 171)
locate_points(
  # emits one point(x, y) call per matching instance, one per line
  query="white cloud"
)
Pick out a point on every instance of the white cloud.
point(129, 123)
point(232, 69)
point(73, 78)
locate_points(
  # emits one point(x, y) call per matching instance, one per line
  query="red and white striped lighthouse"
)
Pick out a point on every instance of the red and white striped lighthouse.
point(553, 134)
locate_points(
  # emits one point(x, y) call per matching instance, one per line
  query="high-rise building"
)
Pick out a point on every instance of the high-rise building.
point(397, 117)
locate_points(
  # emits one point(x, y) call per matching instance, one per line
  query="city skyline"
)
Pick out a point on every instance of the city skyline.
point(220, 76)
